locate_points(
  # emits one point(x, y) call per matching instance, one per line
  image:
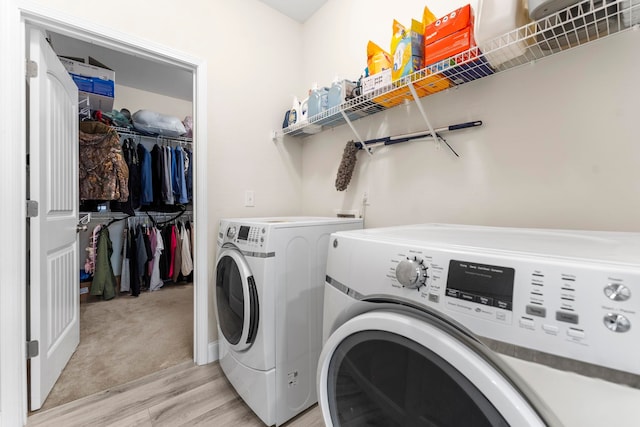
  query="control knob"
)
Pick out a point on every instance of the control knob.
point(411, 273)
point(231, 232)
point(617, 322)
point(617, 292)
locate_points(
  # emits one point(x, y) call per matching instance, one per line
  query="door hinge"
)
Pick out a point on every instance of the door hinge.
point(32, 208)
point(33, 349)
point(32, 68)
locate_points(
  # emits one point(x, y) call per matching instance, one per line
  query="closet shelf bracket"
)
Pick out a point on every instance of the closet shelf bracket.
point(423, 113)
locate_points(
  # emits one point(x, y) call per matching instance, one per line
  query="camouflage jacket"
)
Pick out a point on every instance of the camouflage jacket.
point(104, 174)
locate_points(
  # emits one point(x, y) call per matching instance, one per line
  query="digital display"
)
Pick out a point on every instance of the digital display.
point(243, 233)
point(481, 283)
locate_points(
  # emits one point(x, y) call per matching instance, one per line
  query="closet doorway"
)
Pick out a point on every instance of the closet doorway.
point(126, 46)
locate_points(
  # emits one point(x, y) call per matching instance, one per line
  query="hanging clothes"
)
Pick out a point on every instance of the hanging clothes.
point(146, 179)
point(104, 281)
point(151, 236)
point(187, 261)
point(177, 259)
point(179, 177)
point(156, 281)
point(125, 278)
point(167, 189)
point(189, 174)
point(90, 262)
point(172, 250)
point(130, 154)
point(193, 232)
point(157, 173)
point(133, 264)
point(165, 256)
point(103, 173)
point(144, 254)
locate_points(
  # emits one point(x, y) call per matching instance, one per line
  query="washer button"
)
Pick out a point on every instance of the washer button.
point(575, 333)
point(563, 316)
point(527, 324)
point(536, 311)
point(551, 329)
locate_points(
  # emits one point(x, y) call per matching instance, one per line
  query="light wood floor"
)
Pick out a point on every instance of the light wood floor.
point(184, 395)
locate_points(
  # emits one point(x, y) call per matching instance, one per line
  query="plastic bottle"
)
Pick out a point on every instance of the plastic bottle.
point(340, 91)
point(318, 99)
point(495, 18)
point(294, 113)
point(304, 110)
point(336, 93)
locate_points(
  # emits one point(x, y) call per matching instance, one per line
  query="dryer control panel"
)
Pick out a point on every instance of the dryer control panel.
point(242, 235)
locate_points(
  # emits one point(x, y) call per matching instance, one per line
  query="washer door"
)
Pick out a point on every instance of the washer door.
point(389, 368)
point(236, 299)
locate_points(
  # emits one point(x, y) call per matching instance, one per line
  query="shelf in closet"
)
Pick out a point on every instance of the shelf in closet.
point(122, 131)
point(574, 26)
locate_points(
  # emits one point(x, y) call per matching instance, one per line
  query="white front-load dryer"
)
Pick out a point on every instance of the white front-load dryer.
point(269, 291)
point(448, 325)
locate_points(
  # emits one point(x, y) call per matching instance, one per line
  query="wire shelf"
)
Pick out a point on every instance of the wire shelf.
point(574, 26)
point(123, 131)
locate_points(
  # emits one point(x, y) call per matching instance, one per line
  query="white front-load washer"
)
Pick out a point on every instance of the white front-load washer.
point(450, 325)
point(269, 291)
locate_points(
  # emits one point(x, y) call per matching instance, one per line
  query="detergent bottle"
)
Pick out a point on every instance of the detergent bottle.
point(339, 91)
point(318, 99)
point(304, 110)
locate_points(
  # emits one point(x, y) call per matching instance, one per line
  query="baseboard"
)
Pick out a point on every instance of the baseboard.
point(214, 354)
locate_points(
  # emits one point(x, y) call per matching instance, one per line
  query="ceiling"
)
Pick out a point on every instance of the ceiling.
point(299, 10)
point(131, 71)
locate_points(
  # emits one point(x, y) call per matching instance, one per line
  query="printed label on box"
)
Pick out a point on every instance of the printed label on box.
point(377, 81)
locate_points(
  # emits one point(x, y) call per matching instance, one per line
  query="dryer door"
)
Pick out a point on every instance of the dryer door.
point(236, 299)
point(390, 368)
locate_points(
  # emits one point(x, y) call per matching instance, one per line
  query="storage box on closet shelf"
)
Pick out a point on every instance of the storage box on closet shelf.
point(505, 38)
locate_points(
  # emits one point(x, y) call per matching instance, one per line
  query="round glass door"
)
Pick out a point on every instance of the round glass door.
point(236, 300)
point(377, 378)
point(391, 368)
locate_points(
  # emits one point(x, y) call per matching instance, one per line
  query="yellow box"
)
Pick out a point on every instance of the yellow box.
point(407, 49)
point(398, 96)
point(433, 84)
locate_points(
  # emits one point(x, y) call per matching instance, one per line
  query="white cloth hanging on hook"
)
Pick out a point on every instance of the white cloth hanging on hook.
point(187, 262)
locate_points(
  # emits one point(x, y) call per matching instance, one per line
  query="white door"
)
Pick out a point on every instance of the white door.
point(54, 266)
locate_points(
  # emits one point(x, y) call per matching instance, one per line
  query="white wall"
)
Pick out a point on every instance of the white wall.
point(248, 47)
point(135, 99)
point(558, 147)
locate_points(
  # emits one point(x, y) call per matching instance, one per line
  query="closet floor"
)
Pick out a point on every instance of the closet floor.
point(125, 339)
point(183, 395)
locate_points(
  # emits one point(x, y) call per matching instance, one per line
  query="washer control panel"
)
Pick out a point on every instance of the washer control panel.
point(578, 309)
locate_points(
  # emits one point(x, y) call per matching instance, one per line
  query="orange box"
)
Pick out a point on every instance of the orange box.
point(396, 97)
point(451, 23)
point(449, 46)
point(433, 84)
